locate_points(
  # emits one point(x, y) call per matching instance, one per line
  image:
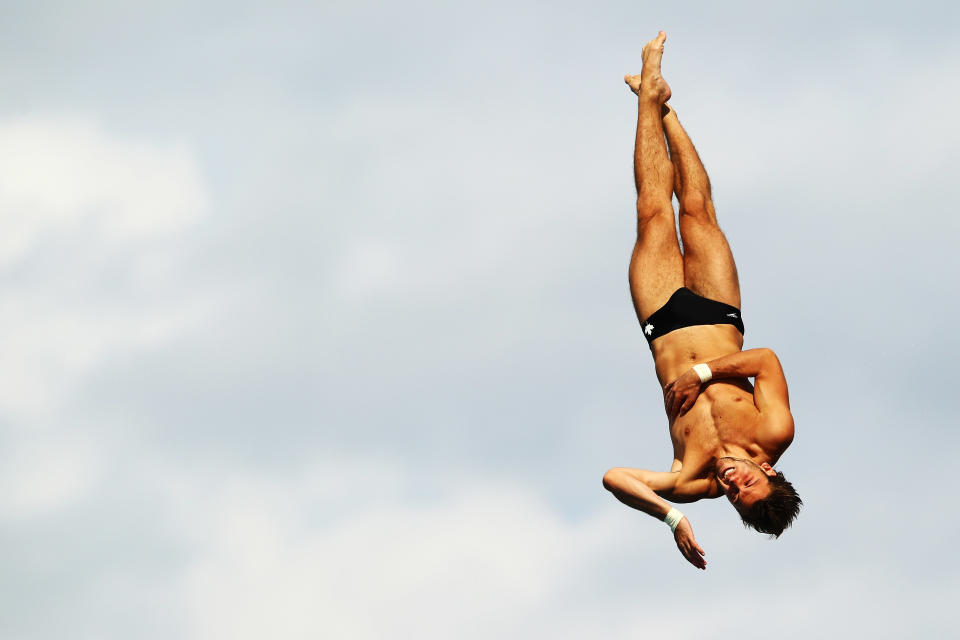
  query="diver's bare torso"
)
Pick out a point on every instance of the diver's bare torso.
point(723, 420)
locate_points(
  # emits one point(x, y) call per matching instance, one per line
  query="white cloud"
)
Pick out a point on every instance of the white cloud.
point(43, 475)
point(285, 555)
point(90, 246)
point(475, 558)
point(56, 172)
point(339, 548)
point(368, 268)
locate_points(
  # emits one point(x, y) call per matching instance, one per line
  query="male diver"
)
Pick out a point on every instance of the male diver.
point(726, 433)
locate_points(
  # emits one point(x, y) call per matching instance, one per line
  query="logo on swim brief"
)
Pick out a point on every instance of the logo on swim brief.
point(731, 315)
point(648, 329)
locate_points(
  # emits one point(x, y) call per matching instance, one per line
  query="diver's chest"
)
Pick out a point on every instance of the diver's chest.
point(727, 418)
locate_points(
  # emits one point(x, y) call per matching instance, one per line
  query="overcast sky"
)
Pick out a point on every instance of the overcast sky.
point(314, 319)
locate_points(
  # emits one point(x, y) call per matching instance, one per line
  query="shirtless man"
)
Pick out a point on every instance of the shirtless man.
point(726, 433)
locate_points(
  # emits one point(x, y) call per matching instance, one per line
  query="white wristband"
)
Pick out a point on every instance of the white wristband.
point(673, 518)
point(704, 372)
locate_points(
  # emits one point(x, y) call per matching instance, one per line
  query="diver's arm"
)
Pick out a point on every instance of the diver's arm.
point(639, 488)
point(770, 393)
point(770, 389)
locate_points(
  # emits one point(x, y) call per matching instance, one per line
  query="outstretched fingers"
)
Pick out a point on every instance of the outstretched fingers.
point(688, 546)
point(694, 554)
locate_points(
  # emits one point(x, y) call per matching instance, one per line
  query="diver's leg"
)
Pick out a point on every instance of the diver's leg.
point(656, 268)
point(709, 269)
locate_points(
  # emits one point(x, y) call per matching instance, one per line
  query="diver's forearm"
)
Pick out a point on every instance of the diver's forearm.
point(744, 364)
point(636, 494)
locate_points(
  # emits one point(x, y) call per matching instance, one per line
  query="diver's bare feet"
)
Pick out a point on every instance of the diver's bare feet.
point(634, 84)
point(650, 82)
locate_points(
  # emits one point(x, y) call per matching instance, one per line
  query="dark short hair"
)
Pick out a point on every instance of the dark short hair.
point(776, 512)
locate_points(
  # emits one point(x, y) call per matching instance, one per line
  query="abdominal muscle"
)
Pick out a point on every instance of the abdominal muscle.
point(723, 418)
point(724, 413)
point(679, 350)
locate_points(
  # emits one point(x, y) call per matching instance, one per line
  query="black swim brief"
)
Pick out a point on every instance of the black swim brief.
point(687, 309)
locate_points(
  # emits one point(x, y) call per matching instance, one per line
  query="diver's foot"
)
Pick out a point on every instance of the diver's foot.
point(634, 82)
point(652, 83)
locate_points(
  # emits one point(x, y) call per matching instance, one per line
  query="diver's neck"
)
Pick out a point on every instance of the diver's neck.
point(754, 454)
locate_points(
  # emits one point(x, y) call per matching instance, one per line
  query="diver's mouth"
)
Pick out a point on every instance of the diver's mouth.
point(724, 474)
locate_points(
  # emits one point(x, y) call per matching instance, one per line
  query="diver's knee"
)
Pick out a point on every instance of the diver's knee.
point(696, 206)
point(651, 208)
point(611, 478)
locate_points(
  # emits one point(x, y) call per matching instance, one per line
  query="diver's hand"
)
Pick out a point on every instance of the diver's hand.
point(688, 545)
point(681, 394)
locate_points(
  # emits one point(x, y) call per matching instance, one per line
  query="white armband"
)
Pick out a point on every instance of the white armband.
point(704, 372)
point(673, 518)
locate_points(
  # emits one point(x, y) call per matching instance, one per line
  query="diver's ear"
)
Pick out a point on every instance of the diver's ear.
point(767, 469)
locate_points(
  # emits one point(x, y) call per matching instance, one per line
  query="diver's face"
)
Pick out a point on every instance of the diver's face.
point(743, 481)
